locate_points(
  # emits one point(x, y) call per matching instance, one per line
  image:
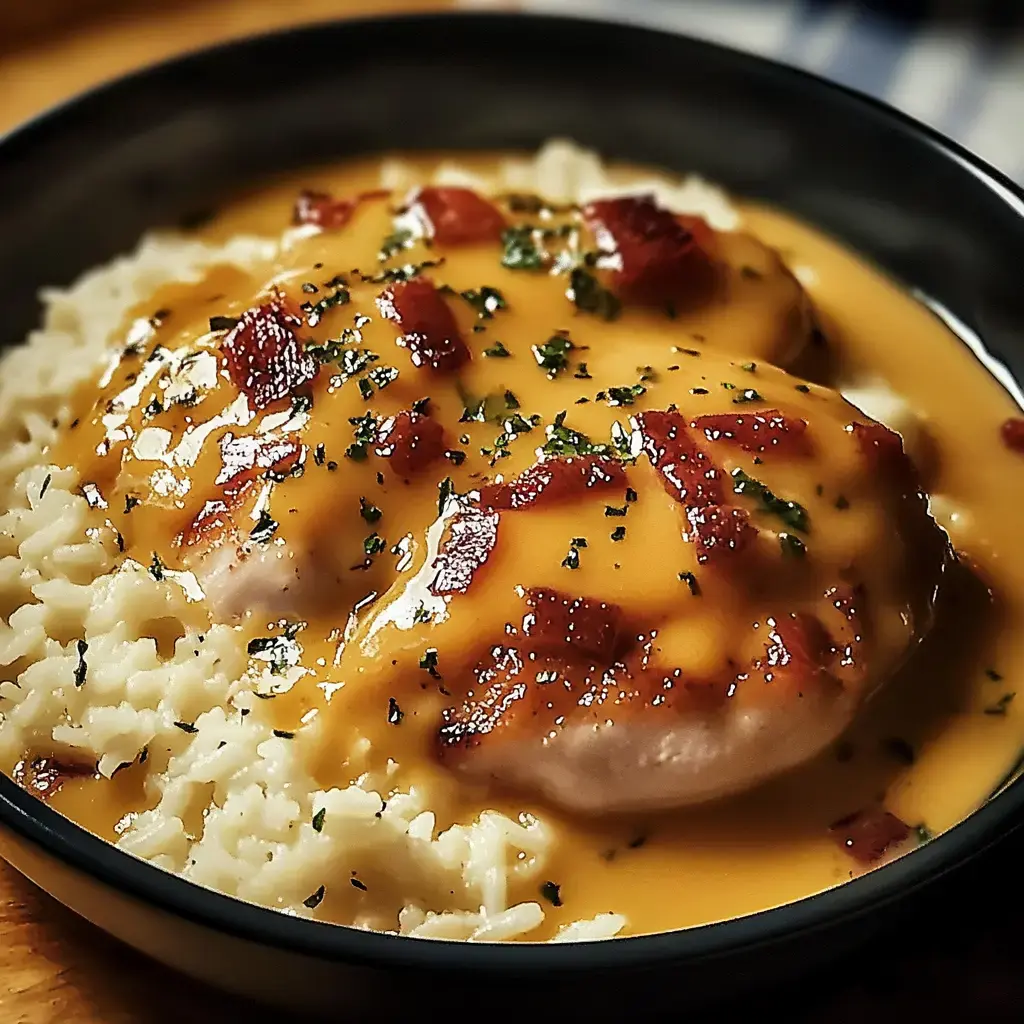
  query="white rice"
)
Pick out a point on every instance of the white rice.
point(232, 804)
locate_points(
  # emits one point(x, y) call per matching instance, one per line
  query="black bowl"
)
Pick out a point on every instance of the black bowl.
point(81, 183)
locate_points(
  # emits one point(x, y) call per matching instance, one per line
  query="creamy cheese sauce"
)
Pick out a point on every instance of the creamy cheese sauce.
point(930, 744)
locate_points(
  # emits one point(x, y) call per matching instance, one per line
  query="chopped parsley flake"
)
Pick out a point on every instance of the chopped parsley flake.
point(691, 581)
point(382, 376)
point(553, 354)
point(315, 310)
point(749, 367)
point(357, 884)
point(428, 662)
point(280, 652)
point(572, 559)
point(223, 323)
point(521, 252)
point(747, 395)
point(497, 351)
point(283, 734)
point(395, 713)
point(631, 495)
point(395, 242)
point(318, 819)
point(487, 301)
point(81, 668)
point(365, 432)
point(314, 901)
point(582, 373)
point(563, 440)
point(264, 529)
point(156, 568)
point(619, 533)
point(792, 514)
point(374, 544)
point(587, 295)
point(611, 510)
point(551, 891)
point(445, 491)
point(186, 727)
point(624, 395)
point(319, 454)
point(370, 513)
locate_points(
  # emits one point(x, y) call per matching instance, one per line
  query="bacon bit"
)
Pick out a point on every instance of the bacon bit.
point(264, 357)
point(1012, 432)
point(756, 432)
point(458, 216)
point(688, 473)
point(881, 446)
point(429, 330)
point(471, 537)
point(410, 441)
point(559, 622)
point(322, 210)
point(867, 835)
point(553, 481)
point(660, 258)
point(44, 776)
point(720, 531)
point(245, 458)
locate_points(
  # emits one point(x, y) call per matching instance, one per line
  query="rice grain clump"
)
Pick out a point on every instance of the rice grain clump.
point(231, 804)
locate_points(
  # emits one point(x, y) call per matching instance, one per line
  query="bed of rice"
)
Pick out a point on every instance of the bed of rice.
point(232, 804)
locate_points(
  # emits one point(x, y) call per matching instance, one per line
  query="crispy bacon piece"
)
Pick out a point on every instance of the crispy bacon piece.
point(557, 622)
point(660, 259)
point(759, 432)
point(429, 330)
point(720, 531)
point(458, 216)
point(410, 441)
point(44, 776)
point(881, 446)
point(553, 481)
point(1012, 433)
point(687, 472)
point(323, 210)
point(264, 357)
point(250, 456)
point(867, 835)
point(472, 534)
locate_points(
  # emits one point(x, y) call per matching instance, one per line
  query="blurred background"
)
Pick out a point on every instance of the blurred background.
point(955, 64)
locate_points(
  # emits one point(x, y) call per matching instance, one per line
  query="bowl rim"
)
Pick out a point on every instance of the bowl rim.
point(30, 819)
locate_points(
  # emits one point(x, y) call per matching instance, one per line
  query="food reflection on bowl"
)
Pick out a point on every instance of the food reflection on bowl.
point(464, 549)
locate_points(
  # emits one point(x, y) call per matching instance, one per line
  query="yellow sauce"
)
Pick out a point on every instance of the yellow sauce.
point(666, 868)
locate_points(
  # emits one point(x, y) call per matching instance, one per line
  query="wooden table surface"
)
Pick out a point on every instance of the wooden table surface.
point(961, 961)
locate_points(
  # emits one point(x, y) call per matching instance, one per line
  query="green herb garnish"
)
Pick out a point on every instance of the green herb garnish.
point(553, 354)
point(521, 251)
point(588, 295)
point(793, 515)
